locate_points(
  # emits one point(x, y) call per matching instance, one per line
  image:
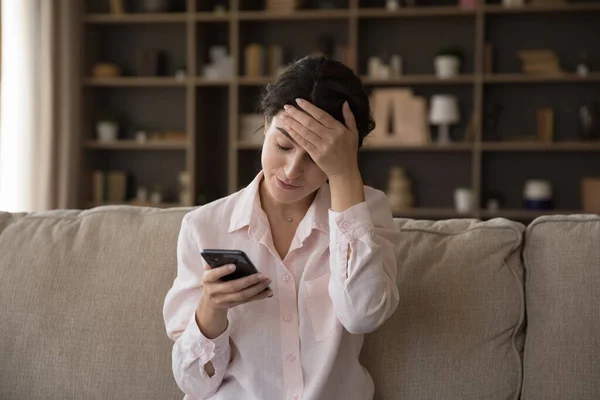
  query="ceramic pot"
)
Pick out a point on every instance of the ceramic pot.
point(107, 131)
point(446, 66)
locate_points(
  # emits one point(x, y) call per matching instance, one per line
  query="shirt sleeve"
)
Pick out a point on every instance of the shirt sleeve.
point(364, 264)
point(192, 350)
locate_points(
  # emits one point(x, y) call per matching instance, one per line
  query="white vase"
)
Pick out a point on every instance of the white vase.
point(463, 200)
point(107, 131)
point(446, 66)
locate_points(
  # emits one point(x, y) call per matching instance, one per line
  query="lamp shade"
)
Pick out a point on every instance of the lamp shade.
point(443, 110)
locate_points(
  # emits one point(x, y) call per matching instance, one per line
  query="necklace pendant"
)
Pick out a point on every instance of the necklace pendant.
point(290, 219)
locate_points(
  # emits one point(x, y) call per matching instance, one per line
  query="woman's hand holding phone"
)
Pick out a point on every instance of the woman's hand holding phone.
point(218, 296)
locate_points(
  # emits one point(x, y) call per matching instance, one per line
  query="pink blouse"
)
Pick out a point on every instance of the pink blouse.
point(305, 341)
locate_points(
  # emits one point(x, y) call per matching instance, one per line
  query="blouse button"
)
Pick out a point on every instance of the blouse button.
point(286, 278)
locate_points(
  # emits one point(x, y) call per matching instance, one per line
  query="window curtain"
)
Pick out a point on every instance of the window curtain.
point(39, 105)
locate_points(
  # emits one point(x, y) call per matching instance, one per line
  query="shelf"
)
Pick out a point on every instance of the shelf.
point(134, 18)
point(525, 214)
point(405, 12)
point(539, 8)
point(422, 212)
point(540, 146)
point(453, 147)
point(200, 81)
point(531, 78)
point(296, 15)
point(92, 204)
point(135, 82)
point(255, 81)
point(248, 146)
point(212, 17)
point(204, 106)
point(420, 80)
point(134, 145)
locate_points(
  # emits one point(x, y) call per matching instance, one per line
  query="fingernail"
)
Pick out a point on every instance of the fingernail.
point(299, 101)
point(346, 104)
point(231, 267)
point(271, 295)
point(286, 107)
point(260, 276)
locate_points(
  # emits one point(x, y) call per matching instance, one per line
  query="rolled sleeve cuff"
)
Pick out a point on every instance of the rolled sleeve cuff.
point(202, 348)
point(351, 224)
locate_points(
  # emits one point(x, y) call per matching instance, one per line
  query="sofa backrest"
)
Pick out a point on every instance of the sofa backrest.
point(81, 297)
point(562, 349)
point(457, 333)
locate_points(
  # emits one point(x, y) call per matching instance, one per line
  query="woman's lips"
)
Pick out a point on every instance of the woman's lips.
point(286, 186)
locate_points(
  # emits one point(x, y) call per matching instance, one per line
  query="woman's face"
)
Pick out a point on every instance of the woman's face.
point(289, 172)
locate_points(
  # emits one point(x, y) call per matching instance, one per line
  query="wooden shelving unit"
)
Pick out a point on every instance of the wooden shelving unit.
point(134, 145)
point(466, 79)
point(542, 8)
point(134, 81)
point(542, 147)
point(296, 16)
point(208, 110)
point(141, 18)
point(407, 12)
point(530, 78)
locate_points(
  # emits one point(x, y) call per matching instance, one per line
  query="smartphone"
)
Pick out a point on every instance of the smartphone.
point(218, 257)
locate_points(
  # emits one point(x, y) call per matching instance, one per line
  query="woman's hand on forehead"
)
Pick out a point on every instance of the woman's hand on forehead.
point(332, 145)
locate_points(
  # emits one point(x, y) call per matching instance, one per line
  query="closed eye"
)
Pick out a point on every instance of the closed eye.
point(280, 147)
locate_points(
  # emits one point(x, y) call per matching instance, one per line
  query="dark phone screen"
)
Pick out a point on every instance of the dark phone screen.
point(244, 267)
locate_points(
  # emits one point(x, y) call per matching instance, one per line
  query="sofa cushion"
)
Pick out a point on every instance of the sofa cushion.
point(562, 348)
point(81, 297)
point(457, 332)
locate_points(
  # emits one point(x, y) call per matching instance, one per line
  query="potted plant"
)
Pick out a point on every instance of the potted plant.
point(107, 126)
point(447, 62)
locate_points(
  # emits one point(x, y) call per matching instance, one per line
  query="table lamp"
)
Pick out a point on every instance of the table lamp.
point(443, 112)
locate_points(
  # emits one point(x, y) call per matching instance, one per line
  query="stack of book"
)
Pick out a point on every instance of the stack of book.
point(539, 62)
point(109, 186)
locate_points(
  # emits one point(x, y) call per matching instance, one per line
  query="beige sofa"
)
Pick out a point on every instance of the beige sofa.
point(81, 297)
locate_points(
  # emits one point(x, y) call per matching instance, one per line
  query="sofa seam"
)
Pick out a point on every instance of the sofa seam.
point(519, 325)
point(544, 220)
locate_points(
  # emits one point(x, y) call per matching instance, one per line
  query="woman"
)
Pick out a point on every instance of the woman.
point(323, 244)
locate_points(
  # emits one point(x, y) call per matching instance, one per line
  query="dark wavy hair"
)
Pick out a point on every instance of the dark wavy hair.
point(325, 83)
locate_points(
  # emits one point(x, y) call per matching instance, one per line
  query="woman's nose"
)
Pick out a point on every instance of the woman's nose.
point(294, 168)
